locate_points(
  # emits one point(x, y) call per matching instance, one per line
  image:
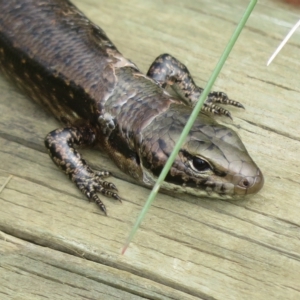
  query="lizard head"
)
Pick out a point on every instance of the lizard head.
point(212, 161)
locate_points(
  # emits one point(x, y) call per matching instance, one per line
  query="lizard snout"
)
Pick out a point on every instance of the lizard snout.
point(250, 180)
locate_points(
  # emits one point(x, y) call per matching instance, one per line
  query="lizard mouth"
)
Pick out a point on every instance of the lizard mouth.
point(231, 186)
point(221, 190)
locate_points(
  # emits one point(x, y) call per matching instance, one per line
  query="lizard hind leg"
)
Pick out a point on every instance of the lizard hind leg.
point(167, 70)
point(60, 144)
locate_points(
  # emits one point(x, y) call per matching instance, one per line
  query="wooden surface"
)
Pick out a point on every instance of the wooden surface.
point(56, 245)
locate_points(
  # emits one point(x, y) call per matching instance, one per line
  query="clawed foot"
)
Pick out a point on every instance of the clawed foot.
point(91, 183)
point(219, 97)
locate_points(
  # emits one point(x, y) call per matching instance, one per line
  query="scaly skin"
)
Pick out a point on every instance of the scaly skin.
point(67, 64)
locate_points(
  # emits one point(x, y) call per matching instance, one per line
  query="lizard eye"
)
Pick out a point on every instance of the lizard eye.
point(199, 164)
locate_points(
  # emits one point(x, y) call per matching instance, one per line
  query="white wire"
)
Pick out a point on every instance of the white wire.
point(284, 42)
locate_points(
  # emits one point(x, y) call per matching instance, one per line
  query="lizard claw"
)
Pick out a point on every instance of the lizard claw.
point(220, 98)
point(117, 197)
point(102, 174)
point(108, 185)
point(90, 183)
point(216, 109)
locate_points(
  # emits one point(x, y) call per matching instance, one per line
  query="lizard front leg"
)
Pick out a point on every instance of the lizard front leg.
point(60, 144)
point(167, 70)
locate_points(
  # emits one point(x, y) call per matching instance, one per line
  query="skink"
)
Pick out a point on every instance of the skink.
point(69, 65)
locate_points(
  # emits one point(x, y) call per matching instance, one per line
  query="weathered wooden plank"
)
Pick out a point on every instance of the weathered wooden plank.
point(203, 248)
point(29, 271)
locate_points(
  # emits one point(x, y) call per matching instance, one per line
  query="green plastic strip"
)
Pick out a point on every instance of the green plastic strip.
point(190, 122)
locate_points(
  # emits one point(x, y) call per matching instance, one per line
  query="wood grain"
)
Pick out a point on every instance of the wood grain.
point(55, 244)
